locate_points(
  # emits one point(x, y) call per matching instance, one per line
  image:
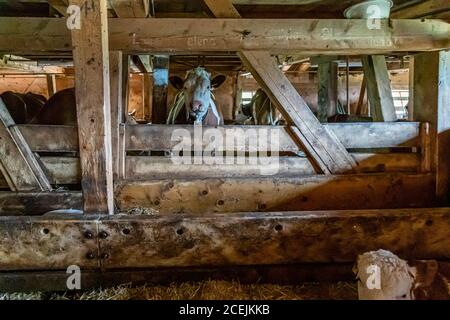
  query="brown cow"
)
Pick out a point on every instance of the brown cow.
point(23, 107)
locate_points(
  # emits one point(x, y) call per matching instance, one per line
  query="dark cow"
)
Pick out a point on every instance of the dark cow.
point(195, 103)
point(23, 107)
point(261, 110)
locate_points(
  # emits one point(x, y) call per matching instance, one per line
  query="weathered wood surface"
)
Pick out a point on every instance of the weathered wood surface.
point(431, 104)
point(42, 138)
point(18, 164)
point(315, 36)
point(148, 168)
point(92, 90)
point(29, 203)
point(265, 194)
point(116, 70)
point(46, 138)
point(379, 91)
point(200, 196)
point(328, 90)
point(67, 171)
point(36, 243)
point(422, 9)
point(46, 243)
point(25, 281)
point(130, 8)
point(325, 151)
point(160, 88)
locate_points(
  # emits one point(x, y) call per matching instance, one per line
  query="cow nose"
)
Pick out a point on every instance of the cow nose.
point(196, 105)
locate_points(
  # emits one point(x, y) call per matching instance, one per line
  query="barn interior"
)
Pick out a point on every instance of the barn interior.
point(362, 158)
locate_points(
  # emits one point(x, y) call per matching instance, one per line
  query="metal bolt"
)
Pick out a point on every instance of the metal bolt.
point(103, 234)
point(88, 234)
point(105, 256)
point(90, 255)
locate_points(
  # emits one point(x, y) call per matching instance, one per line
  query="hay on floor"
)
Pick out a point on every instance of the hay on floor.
point(204, 290)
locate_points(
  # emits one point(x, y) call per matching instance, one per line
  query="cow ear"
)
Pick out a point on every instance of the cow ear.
point(177, 82)
point(217, 81)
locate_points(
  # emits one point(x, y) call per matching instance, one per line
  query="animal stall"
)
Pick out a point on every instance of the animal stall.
point(341, 188)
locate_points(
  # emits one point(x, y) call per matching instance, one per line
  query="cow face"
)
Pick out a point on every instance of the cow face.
point(197, 91)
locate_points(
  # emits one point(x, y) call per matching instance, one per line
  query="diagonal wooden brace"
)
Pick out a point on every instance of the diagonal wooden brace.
point(18, 164)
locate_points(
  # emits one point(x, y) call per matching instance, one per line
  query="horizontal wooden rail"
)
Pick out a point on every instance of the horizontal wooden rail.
point(313, 36)
point(200, 196)
point(45, 138)
point(39, 243)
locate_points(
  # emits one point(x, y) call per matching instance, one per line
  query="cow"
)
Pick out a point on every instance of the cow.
point(61, 109)
point(195, 102)
point(261, 110)
point(23, 107)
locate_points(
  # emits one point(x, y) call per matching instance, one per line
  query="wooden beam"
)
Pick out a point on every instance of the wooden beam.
point(328, 90)
point(51, 84)
point(60, 6)
point(38, 203)
point(431, 103)
point(318, 192)
point(41, 138)
point(361, 100)
point(313, 36)
point(422, 9)
point(116, 76)
point(92, 88)
point(160, 88)
point(379, 91)
point(53, 243)
point(130, 8)
point(323, 148)
point(19, 165)
point(222, 8)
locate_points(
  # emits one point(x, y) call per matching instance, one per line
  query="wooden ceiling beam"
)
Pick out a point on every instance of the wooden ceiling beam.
point(312, 36)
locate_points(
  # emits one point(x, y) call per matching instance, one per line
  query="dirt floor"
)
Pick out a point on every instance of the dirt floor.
point(205, 290)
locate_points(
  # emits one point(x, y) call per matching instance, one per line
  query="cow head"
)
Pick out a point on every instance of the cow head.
point(197, 88)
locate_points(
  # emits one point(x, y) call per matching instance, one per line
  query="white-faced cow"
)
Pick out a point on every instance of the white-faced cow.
point(195, 103)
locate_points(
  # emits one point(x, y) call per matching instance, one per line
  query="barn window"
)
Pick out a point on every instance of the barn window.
point(247, 96)
point(401, 98)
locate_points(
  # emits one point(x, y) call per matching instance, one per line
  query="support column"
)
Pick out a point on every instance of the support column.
point(379, 91)
point(92, 89)
point(327, 91)
point(432, 104)
point(160, 87)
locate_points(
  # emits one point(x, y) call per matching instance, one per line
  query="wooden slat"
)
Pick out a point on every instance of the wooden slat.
point(147, 168)
point(48, 138)
point(29, 203)
point(323, 148)
point(328, 90)
point(43, 138)
point(117, 112)
point(331, 36)
point(431, 104)
point(130, 8)
point(18, 164)
point(254, 238)
point(222, 8)
point(422, 9)
point(160, 88)
point(379, 91)
point(317, 192)
point(92, 89)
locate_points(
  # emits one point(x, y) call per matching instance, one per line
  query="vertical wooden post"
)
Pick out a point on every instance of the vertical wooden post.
point(160, 87)
point(147, 96)
point(432, 104)
point(91, 63)
point(362, 94)
point(51, 84)
point(115, 69)
point(379, 88)
point(411, 89)
point(327, 93)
